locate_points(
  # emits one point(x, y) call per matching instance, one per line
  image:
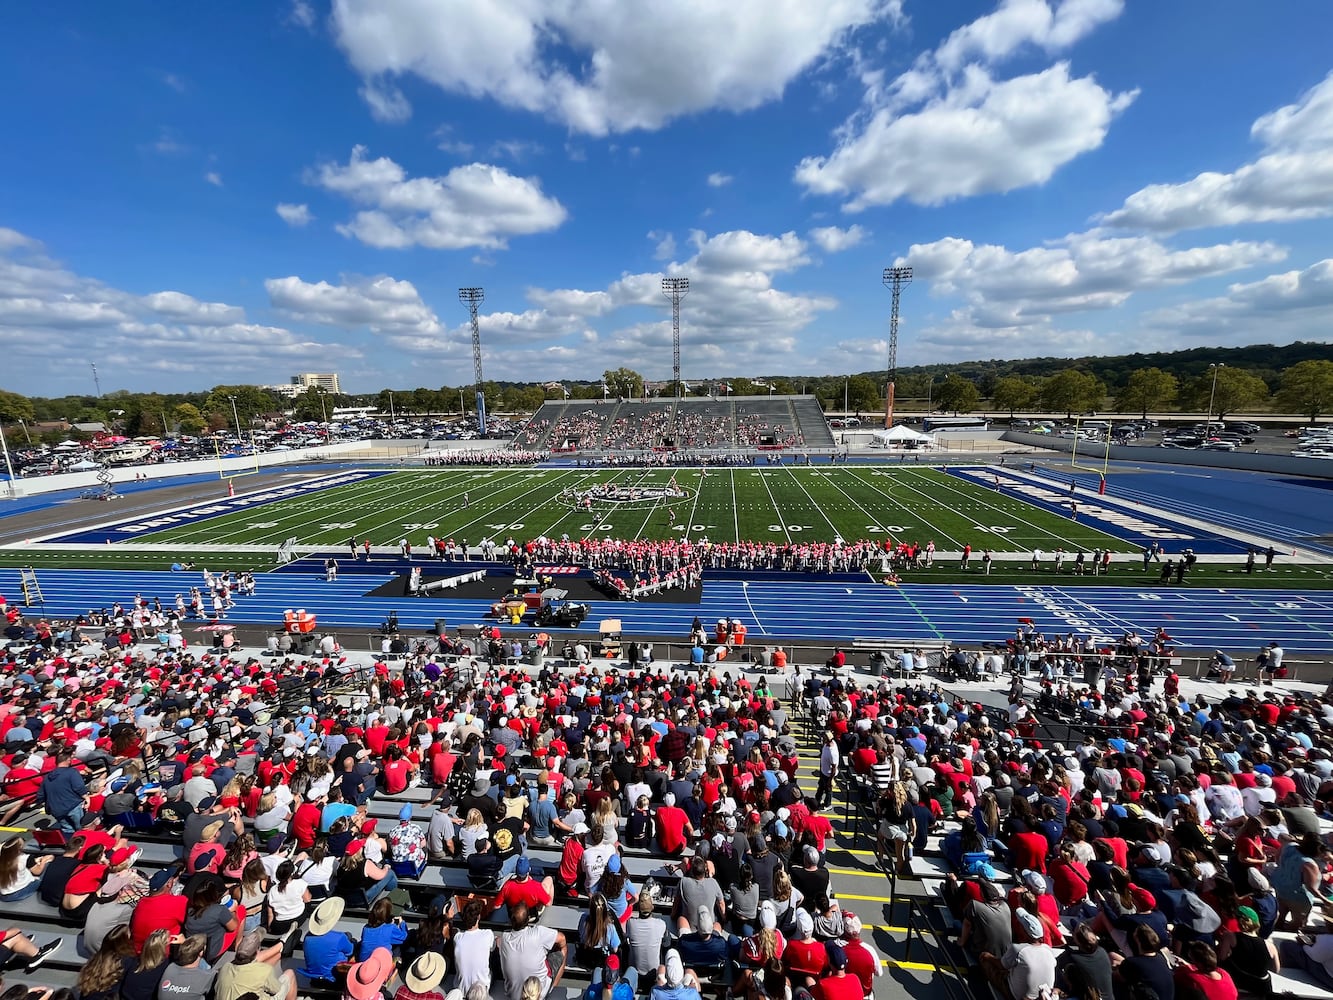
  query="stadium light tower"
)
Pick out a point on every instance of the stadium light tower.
point(675, 289)
point(472, 298)
point(895, 280)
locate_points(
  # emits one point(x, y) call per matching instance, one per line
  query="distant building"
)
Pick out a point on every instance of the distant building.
point(328, 381)
point(286, 391)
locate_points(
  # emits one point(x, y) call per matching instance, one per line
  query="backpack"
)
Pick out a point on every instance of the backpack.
point(1141, 991)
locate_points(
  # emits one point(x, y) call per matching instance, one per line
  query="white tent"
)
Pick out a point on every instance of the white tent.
point(901, 436)
point(85, 466)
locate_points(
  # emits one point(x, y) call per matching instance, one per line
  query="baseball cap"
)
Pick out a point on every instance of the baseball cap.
point(523, 866)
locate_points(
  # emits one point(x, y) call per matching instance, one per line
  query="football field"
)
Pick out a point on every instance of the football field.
point(781, 504)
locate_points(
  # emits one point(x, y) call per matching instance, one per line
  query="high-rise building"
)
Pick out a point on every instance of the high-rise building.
point(328, 381)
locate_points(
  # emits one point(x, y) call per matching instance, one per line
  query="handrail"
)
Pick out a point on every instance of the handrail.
point(919, 925)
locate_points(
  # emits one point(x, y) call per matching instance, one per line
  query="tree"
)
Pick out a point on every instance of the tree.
point(1148, 389)
point(1307, 388)
point(250, 402)
point(1013, 393)
point(862, 394)
point(188, 418)
point(958, 394)
point(1236, 389)
point(313, 404)
point(625, 383)
point(1072, 390)
point(14, 408)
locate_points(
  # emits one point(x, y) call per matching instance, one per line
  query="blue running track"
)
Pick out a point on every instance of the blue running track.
point(796, 609)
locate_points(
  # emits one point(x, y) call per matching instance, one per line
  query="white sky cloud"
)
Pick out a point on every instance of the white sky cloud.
point(381, 303)
point(832, 239)
point(718, 179)
point(1087, 271)
point(1293, 179)
point(294, 215)
point(44, 303)
point(640, 66)
point(949, 128)
point(1292, 305)
point(214, 178)
point(474, 205)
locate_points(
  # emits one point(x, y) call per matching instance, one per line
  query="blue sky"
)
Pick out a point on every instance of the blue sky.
point(199, 194)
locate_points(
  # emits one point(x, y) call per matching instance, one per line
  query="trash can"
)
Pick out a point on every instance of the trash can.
point(535, 658)
point(441, 627)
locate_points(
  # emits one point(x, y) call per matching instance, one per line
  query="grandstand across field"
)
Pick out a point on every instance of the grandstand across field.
point(776, 423)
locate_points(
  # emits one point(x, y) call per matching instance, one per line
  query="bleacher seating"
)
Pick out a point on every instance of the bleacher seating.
point(691, 423)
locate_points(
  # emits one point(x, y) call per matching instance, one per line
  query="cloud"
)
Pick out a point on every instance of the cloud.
point(475, 205)
point(831, 239)
point(514, 149)
point(1019, 24)
point(1292, 305)
point(46, 307)
point(294, 215)
point(665, 247)
point(214, 178)
point(167, 143)
point(386, 102)
point(1006, 289)
point(733, 317)
point(446, 142)
point(572, 301)
point(980, 138)
point(1293, 179)
point(718, 180)
point(948, 128)
point(381, 304)
point(175, 82)
point(302, 14)
point(601, 66)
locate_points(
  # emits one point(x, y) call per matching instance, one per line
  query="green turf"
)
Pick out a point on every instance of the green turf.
point(777, 504)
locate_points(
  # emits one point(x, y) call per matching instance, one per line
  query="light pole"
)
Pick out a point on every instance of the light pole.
point(8, 466)
point(392, 419)
point(462, 406)
point(236, 416)
point(1208, 424)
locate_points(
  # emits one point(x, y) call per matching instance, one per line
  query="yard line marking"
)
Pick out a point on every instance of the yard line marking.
point(915, 514)
point(818, 509)
point(735, 512)
point(774, 504)
point(833, 481)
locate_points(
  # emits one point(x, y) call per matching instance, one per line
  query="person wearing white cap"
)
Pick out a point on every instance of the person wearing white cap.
point(1027, 968)
point(674, 981)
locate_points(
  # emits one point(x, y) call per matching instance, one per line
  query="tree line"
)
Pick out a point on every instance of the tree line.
point(1304, 387)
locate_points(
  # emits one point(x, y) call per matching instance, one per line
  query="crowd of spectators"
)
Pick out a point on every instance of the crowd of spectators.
point(653, 426)
point(509, 456)
point(270, 810)
point(1154, 856)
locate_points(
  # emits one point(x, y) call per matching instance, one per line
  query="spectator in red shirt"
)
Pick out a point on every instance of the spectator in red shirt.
point(837, 985)
point(673, 827)
point(1028, 851)
point(523, 888)
point(397, 772)
point(305, 823)
point(161, 909)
